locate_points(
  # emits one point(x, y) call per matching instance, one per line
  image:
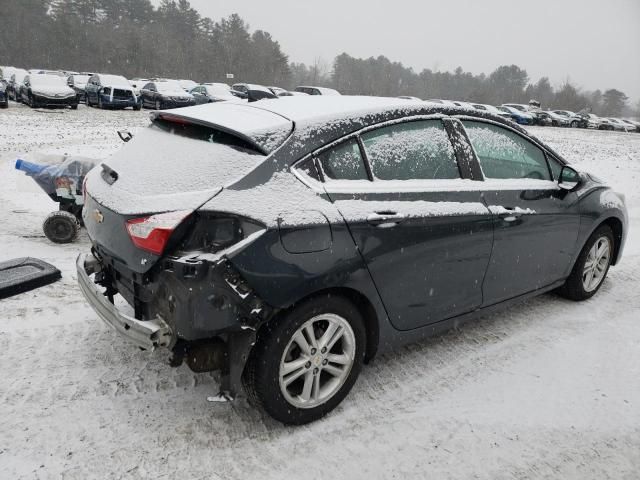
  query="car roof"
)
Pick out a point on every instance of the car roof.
point(316, 119)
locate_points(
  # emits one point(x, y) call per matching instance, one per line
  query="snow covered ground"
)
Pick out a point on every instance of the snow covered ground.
point(548, 389)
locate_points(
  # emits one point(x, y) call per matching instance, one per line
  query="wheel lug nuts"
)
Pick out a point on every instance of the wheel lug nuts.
point(325, 361)
point(307, 365)
point(324, 350)
point(315, 371)
point(313, 351)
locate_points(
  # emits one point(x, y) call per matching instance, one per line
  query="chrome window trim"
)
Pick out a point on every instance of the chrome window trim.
point(417, 186)
point(531, 140)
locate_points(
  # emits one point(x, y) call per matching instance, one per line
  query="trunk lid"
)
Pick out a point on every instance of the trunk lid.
point(157, 172)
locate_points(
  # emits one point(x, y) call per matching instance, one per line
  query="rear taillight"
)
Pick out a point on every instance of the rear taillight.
point(152, 233)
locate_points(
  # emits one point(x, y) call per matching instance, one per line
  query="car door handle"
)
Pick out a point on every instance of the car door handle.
point(510, 214)
point(385, 218)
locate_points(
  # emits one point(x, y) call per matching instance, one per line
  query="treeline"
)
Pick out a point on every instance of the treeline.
point(506, 84)
point(135, 39)
point(132, 38)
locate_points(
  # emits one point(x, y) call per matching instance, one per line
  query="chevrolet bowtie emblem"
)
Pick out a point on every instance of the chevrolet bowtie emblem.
point(98, 217)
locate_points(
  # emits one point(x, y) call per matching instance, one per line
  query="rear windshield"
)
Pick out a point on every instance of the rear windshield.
point(204, 133)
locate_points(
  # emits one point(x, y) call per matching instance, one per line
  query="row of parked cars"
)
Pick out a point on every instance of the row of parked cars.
point(532, 114)
point(48, 88)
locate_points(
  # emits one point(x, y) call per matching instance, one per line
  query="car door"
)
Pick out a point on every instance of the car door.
point(147, 95)
point(535, 222)
point(423, 232)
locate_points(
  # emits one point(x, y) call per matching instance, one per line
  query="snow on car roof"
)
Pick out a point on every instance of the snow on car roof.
point(323, 90)
point(114, 80)
point(267, 123)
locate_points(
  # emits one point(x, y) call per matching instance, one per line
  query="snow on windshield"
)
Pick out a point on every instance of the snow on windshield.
point(169, 87)
point(48, 80)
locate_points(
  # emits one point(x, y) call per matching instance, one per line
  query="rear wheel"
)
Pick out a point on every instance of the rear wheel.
point(592, 266)
point(61, 227)
point(306, 361)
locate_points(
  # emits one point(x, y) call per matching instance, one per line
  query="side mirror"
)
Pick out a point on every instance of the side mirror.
point(569, 178)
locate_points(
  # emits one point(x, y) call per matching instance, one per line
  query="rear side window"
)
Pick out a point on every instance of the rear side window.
point(505, 154)
point(418, 150)
point(343, 162)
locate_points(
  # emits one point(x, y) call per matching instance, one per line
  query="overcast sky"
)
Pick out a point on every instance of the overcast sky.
point(594, 43)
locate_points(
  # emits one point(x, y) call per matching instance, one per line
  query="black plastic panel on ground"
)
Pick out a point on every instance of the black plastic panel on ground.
point(24, 274)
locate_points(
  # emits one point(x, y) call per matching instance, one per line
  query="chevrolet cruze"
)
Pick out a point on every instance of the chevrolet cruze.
point(286, 242)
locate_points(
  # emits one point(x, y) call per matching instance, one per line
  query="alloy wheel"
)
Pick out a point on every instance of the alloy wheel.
point(596, 264)
point(317, 361)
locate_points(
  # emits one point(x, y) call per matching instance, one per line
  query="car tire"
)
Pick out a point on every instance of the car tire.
point(591, 267)
point(74, 106)
point(100, 104)
point(137, 107)
point(314, 373)
point(575, 124)
point(61, 227)
point(32, 101)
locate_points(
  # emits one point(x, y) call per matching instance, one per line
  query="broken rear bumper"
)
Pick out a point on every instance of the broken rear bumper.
point(148, 334)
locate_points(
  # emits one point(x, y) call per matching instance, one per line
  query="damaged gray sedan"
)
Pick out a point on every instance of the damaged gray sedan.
point(286, 243)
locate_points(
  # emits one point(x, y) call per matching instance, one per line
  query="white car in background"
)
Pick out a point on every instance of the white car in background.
point(491, 109)
point(620, 126)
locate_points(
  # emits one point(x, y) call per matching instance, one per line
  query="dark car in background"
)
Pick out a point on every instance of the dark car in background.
point(291, 241)
point(4, 99)
point(111, 91)
point(311, 90)
point(212, 93)
point(164, 94)
point(44, 90)
point(79, 82)
point(575, 120)
point(252, 91)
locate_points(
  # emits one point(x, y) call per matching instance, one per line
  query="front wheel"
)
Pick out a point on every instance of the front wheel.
point(591, 267)
point(306, 361)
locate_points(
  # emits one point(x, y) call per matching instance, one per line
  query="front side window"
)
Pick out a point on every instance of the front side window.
point(343, 162)
point(418, 150)
point(505, 154)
